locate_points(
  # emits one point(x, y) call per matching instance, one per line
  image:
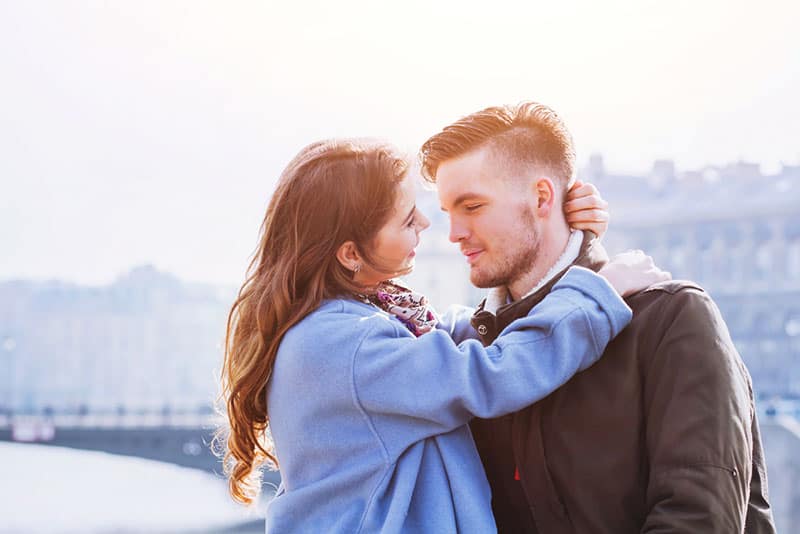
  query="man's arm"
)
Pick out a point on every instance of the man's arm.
point(759, 513)
point(699, 409)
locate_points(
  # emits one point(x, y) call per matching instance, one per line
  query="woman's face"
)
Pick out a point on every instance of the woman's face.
point(393, 251)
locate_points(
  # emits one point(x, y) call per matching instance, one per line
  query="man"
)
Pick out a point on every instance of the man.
point(661, 435)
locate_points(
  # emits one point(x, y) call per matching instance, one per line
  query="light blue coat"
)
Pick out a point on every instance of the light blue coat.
point(370, 423)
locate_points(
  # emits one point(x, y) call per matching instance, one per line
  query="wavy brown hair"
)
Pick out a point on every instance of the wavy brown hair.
point(331, 192)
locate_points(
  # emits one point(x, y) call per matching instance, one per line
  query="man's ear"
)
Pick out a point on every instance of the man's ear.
point(348, 256)
point(545, 194)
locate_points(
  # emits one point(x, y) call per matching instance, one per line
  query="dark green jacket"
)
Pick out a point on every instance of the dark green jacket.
point(660, 435)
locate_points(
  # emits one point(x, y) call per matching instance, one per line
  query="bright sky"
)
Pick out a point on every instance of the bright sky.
point(152, 132)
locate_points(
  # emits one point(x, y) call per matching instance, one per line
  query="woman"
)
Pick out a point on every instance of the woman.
point(367, 414)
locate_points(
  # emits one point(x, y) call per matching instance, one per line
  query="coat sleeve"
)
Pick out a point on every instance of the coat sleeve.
point(413, 388)
point(699, 417)
point(759, 512)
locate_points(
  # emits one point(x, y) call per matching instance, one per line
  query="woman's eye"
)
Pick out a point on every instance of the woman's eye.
point(473, 207)
point(412, 222)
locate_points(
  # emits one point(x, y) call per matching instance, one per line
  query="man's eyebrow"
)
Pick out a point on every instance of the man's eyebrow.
point(460, 199)
point(410, 213)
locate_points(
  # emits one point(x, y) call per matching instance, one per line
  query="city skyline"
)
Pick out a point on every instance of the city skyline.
point(232, 282)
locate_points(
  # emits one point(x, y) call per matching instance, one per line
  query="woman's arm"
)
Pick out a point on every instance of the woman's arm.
point(412, 388)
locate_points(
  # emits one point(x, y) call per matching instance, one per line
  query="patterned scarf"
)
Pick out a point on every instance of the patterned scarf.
point(412, 309)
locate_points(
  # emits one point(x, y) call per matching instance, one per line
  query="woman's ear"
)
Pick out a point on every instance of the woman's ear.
point(348, 256)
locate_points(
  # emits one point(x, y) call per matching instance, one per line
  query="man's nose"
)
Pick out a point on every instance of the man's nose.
point(458, 232)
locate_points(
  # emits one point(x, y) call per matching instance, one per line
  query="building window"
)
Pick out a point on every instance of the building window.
point(763, 261)
point(793, 260)
point(768, 347)
point(677, 262)
point(792, 325)
point(706, 273)
point(766, 323)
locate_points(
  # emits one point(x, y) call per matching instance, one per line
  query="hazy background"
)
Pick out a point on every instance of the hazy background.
point(138, 132)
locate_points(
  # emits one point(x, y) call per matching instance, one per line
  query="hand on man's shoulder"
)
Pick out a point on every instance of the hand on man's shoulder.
point(670, 287)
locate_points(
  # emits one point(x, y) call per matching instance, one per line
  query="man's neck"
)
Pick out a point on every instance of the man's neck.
point(553, 244)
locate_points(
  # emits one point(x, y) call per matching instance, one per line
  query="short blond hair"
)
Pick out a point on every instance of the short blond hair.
point(528, 133)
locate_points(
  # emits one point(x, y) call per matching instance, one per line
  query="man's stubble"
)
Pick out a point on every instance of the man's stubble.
point(517, 252)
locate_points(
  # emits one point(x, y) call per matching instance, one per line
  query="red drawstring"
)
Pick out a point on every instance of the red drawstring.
point(516, 473)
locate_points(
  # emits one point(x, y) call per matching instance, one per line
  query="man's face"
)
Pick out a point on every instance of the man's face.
point(491, 216)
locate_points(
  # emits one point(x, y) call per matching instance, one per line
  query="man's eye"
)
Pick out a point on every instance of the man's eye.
point(412, 222)
point(473, 207)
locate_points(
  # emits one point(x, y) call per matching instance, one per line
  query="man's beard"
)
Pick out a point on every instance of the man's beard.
point(519, 256)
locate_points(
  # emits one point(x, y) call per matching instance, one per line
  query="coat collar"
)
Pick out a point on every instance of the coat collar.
point(489, 324)
point(499, 296)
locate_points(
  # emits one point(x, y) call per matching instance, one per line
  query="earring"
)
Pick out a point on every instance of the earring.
point(356, 268)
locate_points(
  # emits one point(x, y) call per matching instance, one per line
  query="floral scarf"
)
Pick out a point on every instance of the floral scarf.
point(411, 308)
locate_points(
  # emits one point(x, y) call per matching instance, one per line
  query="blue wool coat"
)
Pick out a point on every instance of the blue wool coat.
point(370, 423)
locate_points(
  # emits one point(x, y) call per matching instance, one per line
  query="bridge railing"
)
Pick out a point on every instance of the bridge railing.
point(43, 427)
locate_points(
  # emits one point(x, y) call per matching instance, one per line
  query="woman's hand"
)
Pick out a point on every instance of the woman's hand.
point(585, 209)
point(632, 271)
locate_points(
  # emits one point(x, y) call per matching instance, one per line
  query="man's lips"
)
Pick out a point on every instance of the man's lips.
point(472, 255)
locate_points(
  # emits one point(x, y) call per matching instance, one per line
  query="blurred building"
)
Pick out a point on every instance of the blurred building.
point(781, 437)
point(146, 343)
point(737, 233)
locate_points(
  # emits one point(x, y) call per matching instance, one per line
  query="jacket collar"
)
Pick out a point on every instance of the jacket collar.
point(499, 296)
point(489, 324)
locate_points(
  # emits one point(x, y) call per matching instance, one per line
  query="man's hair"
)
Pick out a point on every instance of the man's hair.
point(528, 134)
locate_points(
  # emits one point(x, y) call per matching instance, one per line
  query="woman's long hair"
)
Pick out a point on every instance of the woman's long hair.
point(331, 192)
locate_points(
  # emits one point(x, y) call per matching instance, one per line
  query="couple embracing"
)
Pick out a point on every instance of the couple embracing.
point(585, 394)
